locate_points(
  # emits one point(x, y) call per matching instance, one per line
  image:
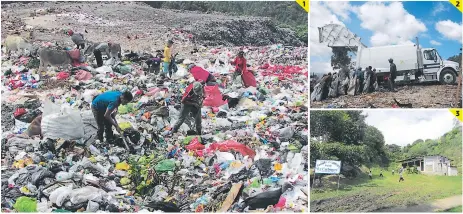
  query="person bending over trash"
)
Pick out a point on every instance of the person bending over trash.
point(201, 75)
point(192, 101)
point(167, 58)
point(104, 108)
point(78, 39)
point(105, 47)
point(240, 65)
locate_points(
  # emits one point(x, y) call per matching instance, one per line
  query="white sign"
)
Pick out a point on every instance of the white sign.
point(327, 167)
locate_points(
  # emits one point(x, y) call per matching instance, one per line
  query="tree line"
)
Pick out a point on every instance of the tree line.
point(345, 136)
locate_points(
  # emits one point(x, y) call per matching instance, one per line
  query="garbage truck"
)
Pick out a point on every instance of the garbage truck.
point(414, 64)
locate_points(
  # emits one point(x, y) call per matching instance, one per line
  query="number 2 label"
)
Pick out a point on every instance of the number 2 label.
point(458, 4)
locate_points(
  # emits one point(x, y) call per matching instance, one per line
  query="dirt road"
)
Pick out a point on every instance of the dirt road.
point(438, 205)
point(420, 96)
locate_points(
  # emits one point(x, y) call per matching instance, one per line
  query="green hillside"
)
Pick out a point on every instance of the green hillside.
point(449, 145)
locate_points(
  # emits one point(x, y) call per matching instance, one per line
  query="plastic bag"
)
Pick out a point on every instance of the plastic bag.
point(67, 125)
point(19, 112)
point(233, 145)
point(195, 145)
point(125, 69)
point(224, 156)
point(25, 205)
point(248, 79)
point(62, 75)
point(62, 193)
point(213, 96)
point(165, 166)
point(83, 75)
point(122, 166)
point(85, 194)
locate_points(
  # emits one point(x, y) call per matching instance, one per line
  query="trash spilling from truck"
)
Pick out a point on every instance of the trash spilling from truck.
point(394, 76)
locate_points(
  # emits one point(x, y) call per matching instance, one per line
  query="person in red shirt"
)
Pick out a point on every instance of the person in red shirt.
point(240, 65)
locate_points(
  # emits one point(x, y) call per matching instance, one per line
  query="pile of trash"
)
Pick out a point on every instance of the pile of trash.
point(252, 155)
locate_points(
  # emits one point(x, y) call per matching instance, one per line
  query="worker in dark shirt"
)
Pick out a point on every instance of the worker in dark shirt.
point(154, 64)
point(192, 102)
point(360, 77)
point(393, 75)
point(104, 110)
point(78, 39)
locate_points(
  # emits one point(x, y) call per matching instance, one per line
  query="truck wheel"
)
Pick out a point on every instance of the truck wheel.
point(447, 77)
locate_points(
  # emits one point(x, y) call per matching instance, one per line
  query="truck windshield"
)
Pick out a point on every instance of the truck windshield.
point(438, 56)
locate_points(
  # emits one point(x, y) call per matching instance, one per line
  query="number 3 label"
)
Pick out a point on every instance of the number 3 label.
point(457, 113)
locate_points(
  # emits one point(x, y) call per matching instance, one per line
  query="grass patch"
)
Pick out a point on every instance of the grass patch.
point(455, 210)
point(416, 189)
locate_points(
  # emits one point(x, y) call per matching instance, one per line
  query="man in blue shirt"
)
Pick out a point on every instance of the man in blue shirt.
point(104, 110)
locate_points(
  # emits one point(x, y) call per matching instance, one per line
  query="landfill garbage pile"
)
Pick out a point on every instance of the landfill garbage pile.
point(136, 25)
point(416, 96)
point(251, 155)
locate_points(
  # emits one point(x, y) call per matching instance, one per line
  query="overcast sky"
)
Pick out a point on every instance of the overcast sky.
point(406, 126)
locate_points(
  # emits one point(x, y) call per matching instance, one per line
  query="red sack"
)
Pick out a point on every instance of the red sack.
point(187, 91)
point(232, 145)
point(199, 73)
point(83, 75)
point(248, 79)
point(74, 54)
point(213, 96)
point(195, 145)
point(19, 112)
point(62, 75)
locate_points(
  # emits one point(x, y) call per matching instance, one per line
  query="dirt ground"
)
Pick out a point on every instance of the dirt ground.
point(375, 203)
point(139, 27)
point(420, 96)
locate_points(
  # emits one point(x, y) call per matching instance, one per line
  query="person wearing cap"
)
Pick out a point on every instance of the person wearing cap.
point(393, 75)
point(104, 108)
point(192, 101)
point(78, 39)
point(200, 74)
point(240, 64)
point(167, 57)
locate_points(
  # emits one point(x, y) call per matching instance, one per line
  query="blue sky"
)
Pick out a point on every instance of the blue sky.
point(437, 24)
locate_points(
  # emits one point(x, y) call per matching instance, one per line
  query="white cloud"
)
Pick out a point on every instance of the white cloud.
point(340, 8)
point(320, 15)
point(321, 67)
point(404, 127)
point(438, 8)
point(449, 30)
point(390, 23)
point(433, 42)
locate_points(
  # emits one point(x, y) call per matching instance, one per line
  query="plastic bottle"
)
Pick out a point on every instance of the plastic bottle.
point(94, 150)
